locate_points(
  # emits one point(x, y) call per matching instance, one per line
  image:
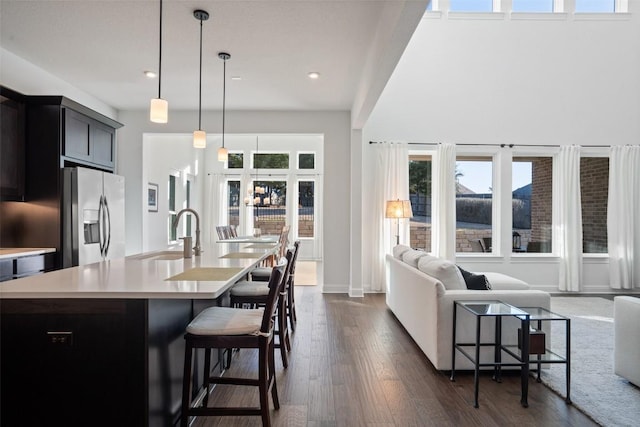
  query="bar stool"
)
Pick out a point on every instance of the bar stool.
point(255, 294)
point(226, 327)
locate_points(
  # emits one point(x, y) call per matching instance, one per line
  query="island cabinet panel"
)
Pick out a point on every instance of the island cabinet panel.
point(98, 362)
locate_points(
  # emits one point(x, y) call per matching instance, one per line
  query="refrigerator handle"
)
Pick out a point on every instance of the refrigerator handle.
point(107, 242)
point(101, 225)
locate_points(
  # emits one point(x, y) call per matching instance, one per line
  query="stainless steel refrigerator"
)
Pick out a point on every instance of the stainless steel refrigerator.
point(92, 217)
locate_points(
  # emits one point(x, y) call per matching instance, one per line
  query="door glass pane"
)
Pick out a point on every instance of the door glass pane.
point(188, 201)
point(474, 200)
point(172, 209)
point(269, 206)
point(233, 203)
point(532, 184)
point(420, 196)
point(306, 197)
point(594, 194)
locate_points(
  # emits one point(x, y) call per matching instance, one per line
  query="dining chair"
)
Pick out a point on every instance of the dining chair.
point(226, 327)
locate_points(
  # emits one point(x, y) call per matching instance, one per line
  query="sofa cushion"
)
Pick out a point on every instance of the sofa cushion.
point(398, 250)
point(474, 281)
point(443, 270)
point(412, 256)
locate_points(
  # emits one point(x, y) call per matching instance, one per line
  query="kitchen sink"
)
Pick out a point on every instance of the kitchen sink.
point(160, 256)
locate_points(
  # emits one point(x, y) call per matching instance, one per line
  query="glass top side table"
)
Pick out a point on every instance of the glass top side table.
point(497, 310)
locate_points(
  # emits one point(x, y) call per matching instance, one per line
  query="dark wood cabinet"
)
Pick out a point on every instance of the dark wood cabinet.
point(12, 145)
point(87, 139)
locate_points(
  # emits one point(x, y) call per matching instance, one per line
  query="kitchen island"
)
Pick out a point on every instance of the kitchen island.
point(102, 344)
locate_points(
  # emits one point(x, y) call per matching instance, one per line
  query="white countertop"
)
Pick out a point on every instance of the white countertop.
point(20, 252)
point(136, 277)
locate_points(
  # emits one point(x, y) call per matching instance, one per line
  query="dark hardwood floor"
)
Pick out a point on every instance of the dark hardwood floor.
point(352, 364)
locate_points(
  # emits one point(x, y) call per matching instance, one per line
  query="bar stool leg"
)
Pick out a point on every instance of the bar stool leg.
point(186, 385)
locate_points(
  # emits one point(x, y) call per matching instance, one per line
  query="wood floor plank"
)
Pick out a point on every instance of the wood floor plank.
point(353, 364)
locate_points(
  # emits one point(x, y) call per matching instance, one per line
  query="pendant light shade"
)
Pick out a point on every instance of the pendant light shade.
point(200, 136)
point(223, 153)
point(199, 139)
point(159, 108)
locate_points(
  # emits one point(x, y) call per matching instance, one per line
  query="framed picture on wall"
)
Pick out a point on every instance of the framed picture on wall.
point(152, 197)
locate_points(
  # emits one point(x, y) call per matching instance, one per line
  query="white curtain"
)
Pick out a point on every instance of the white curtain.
point(443, 216)
point(215, 213)
point(623, 229)
point(391, 182)
point(569, 236)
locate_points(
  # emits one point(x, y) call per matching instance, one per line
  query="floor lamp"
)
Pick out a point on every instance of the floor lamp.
point(398, 209)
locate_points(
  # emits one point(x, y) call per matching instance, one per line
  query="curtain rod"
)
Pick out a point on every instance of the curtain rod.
point(495, 145)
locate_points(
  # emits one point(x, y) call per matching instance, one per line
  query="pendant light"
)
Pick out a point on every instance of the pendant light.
point(159, 108)
point(200, 136)
point(223, 153)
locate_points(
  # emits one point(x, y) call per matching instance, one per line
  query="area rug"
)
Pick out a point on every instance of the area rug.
point(605, 397)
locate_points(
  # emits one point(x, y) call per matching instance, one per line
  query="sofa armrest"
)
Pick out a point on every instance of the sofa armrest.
point(501, 281)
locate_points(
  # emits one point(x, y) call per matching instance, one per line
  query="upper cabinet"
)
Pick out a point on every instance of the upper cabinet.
point(88, 140)
point(12, 145)
point(75, 134)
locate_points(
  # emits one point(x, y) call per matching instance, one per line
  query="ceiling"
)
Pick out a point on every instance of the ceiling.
point(102, 48)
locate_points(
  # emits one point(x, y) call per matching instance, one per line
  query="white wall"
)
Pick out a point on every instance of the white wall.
point(335, 126)
point(483, 81)
point(28, 79)
point(164, 155)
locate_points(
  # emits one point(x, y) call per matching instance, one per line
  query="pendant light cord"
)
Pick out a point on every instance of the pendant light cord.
point(224, 95)
point(160, 56)
point(200, 83)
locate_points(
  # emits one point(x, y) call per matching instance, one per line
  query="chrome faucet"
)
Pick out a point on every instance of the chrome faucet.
point(197, 250)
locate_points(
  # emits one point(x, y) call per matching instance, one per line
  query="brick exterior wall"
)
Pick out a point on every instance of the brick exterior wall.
point(594, 189)
point(541, 199)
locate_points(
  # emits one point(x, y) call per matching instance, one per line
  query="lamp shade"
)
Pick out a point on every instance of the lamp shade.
point(159, 110)
point(398, 209)
point(223, 154)
point(199, 139)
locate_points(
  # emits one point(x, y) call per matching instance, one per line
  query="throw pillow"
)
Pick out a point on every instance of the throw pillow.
point(477, 282)
point(444, 271)
point(412, 256)
point(398, 250)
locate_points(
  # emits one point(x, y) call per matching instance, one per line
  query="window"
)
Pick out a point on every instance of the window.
point(532, 195)
point(233, 203)
point(471, 5)
point(474, 203)
point(532, 6)
point(306, 217)
point(172, 209)
point(269, 206)
point(596, 6)
point(235, 161)
point(594, 190)
point(420, 196)
point(188, 202)
point(306, 161)
point(271, 161)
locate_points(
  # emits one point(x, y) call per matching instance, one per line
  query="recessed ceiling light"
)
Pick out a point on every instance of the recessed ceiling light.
point(236, 78)
point(150, 74)
point(314, 75)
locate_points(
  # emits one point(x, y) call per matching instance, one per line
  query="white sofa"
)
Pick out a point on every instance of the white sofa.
point(626, 318)
point(424, 305)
